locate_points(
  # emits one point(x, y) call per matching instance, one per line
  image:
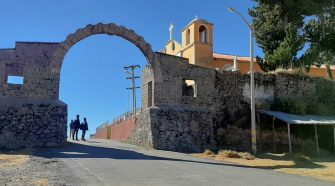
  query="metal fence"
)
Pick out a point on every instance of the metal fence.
point(119, 119)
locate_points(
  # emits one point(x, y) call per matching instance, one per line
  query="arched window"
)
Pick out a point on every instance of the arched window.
point(173, 47)
point(203, 34)
point(188, 33)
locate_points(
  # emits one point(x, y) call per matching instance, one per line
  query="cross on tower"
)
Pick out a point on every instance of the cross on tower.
point(171, 31)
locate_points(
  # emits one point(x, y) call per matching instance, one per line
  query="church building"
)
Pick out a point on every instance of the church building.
point(197, 46)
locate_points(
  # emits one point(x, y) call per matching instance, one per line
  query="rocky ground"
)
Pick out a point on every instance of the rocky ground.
point(29, 168)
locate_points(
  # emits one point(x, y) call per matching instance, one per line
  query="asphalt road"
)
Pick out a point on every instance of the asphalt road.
point(106, 162)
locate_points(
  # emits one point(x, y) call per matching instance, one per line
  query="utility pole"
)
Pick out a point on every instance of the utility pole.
point(133, 88)
point(252, 81)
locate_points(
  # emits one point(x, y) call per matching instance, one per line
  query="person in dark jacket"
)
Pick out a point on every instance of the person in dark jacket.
point(71, 128)
point(84, 128)
point(76, 127)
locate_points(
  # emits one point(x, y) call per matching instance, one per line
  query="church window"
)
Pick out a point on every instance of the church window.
point(173, 47)
point(203, 34)
point(188, 33)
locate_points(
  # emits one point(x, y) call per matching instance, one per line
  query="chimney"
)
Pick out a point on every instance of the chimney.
point(235, 64)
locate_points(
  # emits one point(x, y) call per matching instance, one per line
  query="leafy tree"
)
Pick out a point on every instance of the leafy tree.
point(282, 32)
point(277, 32)
point(320, 35)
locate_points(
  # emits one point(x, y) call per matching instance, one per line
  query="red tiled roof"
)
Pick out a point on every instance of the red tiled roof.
point(247, 59)
point(230, 57)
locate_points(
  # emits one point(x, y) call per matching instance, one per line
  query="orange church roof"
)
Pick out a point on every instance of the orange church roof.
point(231, 57)
point(247, 59)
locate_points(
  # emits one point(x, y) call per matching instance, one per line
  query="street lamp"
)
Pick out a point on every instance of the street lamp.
point(252, 79)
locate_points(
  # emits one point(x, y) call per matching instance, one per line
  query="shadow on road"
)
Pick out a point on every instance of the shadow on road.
point(75, 150)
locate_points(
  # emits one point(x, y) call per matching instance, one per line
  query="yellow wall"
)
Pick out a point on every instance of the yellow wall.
point(320, 72)
point(168, 47)
point(188, 53)
point(201, 54)
point(197, 52)
point(243, 66)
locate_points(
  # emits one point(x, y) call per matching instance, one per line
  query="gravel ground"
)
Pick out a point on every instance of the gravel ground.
point(38, 170)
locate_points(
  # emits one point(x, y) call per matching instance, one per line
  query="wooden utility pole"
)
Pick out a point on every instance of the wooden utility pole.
point(134, 87)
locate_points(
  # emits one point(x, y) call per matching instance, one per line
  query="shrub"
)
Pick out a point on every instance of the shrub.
point(234, 154)
point(208, 152)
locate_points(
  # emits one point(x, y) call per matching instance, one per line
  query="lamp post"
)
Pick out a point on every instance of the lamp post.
point(252, 84)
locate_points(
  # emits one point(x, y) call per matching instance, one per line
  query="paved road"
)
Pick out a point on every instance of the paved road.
point(106, 162)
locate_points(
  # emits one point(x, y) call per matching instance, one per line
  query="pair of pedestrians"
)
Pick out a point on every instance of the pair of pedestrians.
point(75, 125)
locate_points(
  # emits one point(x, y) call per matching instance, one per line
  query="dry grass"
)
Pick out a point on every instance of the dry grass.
point(292, 71)
point(319, 167)
point(12, 160)
point(206, 154)
point(327, 172)
point(233, 154)
point(41, 182)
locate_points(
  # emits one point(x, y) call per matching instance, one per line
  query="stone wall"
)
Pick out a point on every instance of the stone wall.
point(222, 103)
point(182, 130)
point(168, 88)
point(147, 95)
point(142, 134)
point(30, 60)
point(27, 123)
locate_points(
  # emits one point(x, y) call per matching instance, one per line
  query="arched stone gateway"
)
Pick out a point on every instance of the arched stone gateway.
point(31, 114)
point(89, 30)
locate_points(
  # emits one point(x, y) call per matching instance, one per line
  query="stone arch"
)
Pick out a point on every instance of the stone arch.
point(100, 28)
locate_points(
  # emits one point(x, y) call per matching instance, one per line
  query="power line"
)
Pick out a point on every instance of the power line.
point(133, 87)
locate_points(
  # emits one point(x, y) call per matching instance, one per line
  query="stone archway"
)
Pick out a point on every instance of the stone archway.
point(89, 30)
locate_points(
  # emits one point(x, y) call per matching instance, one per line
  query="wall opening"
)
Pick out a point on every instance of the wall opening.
point(14, 73)
point(188, 33)
point(203, 34)
point(173, 47)
point(150, 94)
point(189, 88)
point(17, 80)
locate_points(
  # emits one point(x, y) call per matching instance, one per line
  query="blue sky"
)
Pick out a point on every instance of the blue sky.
point(93, 81)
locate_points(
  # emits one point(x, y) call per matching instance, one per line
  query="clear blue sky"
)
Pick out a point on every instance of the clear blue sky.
point(93, 81)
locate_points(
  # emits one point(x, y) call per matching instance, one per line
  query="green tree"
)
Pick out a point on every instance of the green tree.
point(277, 32)
point(282, 32)
point(320, 35)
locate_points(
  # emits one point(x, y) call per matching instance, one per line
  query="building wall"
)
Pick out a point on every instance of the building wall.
point(202, 51)
point(168, 91)
point(189, 53)
point(320, 72)
point(121, 131)
point(242, 65)
point(173, 50)
point(182, 123)
point(34, 60)
point(147, 97)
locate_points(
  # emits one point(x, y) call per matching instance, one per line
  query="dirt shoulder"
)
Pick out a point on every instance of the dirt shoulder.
point(26, 167)
point(322, 167)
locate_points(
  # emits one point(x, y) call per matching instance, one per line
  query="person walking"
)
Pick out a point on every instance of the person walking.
point(76, 127)
point(71, 128)
point(84, 128)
